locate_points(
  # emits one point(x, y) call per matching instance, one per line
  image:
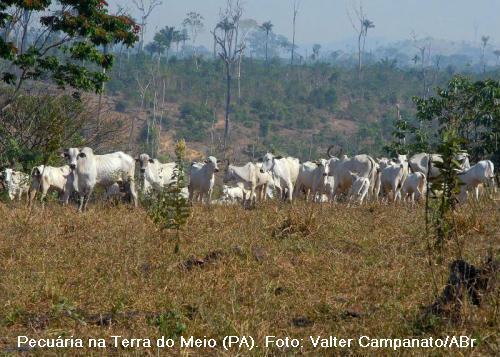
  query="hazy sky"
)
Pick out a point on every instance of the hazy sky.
point(326, 21)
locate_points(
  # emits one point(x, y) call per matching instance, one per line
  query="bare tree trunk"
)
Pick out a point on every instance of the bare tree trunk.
point(228, 107)
point(295, 11)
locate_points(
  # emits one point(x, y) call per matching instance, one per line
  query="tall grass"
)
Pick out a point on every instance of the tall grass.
point(279, 270)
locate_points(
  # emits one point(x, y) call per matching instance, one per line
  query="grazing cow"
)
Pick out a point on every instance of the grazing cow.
point(420, 163)
point(17, 183)
point(312, 177)
point(391, 180)
point(107, 170)
point(359, 188)
point(285, 172)
point(340, 169)
point(44, 178)
point(202, 179)
point(155, 174)
point(414, 186)
point(245, 177)
point(481, 173)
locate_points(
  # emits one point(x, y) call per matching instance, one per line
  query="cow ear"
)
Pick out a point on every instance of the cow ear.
point(152, 161)
point(82, 155)
point(278, 157)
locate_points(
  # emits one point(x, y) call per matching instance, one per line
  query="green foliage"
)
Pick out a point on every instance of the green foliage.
point(67, 49)
point(34, 128)
point(169, 209)
point(170, 324)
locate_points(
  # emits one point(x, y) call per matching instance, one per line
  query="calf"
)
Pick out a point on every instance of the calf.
point(359, 188)
point(17, 183)
point(44, 178)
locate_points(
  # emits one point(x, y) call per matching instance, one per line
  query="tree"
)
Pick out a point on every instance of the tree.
point(145, 8)
point(226, 38)
point(246, 26)
point(497, 55)
point(296, 5)
point(484, 44)
point(267, 27)
point(361, 27)
point(57, 41)
point(165, 37)
point(194, 22)
point(316, 49)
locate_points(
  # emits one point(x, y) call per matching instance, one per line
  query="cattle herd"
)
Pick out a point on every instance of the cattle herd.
point(357, 178)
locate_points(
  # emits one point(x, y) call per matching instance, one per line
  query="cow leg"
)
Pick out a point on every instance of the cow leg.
point(133, 192)
point(32, 194)
point(476, 191)
point(290, 191)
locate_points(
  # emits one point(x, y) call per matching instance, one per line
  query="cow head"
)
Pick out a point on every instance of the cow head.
point(144, 160)
point(323, 166)
point(268, 162)
point(71, 155)
point(37, 171)
point(463, 159)
point(212, 162)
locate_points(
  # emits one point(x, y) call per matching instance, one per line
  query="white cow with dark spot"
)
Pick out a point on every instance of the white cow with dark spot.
point(45, 178)
point(481, 173)
point(202, 179)
point(17, 183)
point(107, 170)
point(155, 174)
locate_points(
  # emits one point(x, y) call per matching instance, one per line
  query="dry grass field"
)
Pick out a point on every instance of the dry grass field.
point(282, 270)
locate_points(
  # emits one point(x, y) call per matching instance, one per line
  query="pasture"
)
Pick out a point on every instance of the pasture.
point(285, 270)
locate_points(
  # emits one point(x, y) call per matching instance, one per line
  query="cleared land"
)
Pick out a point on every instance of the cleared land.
point(282, 270)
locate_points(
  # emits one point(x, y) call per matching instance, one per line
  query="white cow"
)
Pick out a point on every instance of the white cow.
point(312, 177)
point(44, 178)
point(103, 170)
point(481, 173)
point(285, 172)
point(340, 169)
point(414, 187)
point(17, 183)
point(391, 180)
point(420, 163)
point(245, 177)
point(359, 188)
point(155, 174)
point(202, 179)
point(233, 194)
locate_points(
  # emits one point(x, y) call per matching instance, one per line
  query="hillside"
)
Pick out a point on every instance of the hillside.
point(299, 110)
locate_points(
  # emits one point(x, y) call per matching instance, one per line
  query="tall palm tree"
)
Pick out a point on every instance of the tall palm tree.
point(268, 28)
